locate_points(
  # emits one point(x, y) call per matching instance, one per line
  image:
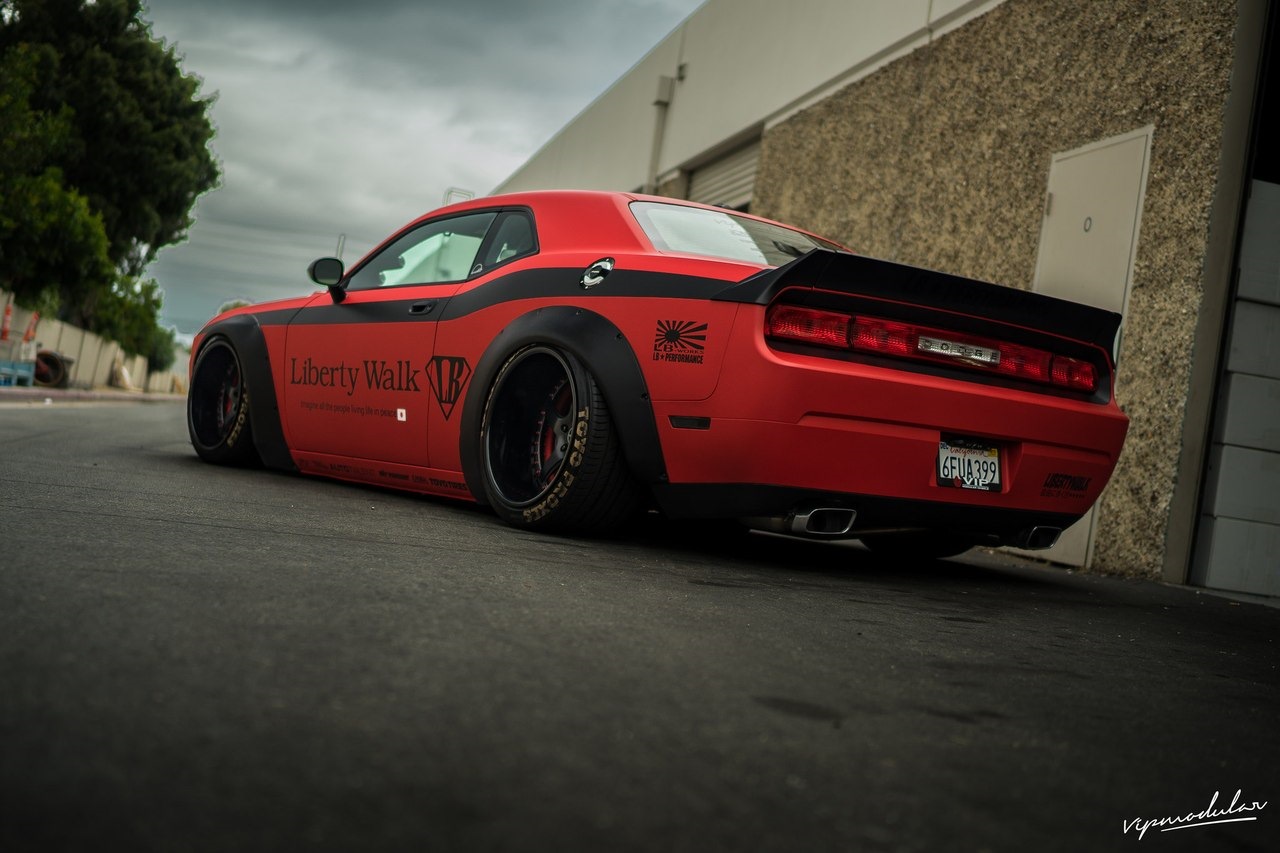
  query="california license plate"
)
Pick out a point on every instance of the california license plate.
point(967, 464)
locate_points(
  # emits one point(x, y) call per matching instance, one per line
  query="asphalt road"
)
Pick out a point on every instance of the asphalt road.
point(196, 658)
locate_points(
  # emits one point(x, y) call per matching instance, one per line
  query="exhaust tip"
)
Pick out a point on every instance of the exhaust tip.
point(823, 521)
point(813, 522)
point(1039, 538)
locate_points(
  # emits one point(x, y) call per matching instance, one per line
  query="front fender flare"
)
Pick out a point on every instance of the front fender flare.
point(245, 334)
point(598, 344)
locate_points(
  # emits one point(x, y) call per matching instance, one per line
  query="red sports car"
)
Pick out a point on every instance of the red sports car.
point(575, 359)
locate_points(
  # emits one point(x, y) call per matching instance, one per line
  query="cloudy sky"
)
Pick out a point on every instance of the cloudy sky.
point(347, 118)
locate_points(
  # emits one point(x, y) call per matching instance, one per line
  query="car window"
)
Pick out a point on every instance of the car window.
point(443, 250)
point(512, 237)
point(721, 234)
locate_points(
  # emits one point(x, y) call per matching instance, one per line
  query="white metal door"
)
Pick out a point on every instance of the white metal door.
point(1088, 241)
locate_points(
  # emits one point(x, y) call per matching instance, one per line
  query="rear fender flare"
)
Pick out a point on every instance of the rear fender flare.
point(245, 334)
point(605, 351)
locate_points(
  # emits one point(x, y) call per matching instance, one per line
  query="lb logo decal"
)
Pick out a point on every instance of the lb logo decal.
point(679, 341)
point(448, 376)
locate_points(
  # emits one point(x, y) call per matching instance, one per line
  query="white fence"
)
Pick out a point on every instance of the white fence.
point(98, 362)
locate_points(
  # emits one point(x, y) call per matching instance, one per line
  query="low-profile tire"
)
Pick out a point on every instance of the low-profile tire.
point(218, 407)
point(550, 456)
point(920, 545)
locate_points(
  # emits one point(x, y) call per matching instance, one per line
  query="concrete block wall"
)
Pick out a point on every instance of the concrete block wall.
point(941, 159)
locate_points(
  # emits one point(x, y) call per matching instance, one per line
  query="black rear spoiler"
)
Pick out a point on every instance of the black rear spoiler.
point(858, 275)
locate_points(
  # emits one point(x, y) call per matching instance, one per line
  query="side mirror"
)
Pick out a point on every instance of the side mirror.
point(328, 272)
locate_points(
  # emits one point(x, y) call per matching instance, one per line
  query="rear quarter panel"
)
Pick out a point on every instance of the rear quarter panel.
point(659, 305)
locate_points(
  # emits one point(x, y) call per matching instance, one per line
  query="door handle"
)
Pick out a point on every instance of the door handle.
point(421, 309)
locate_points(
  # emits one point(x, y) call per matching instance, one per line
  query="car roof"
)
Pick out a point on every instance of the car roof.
point(579, 219)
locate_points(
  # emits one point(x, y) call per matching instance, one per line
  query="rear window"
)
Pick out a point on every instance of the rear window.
point(721, 234)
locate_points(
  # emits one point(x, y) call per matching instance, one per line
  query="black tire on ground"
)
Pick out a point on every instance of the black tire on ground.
point(550, 455)
point(921, 544)
point(218, 407)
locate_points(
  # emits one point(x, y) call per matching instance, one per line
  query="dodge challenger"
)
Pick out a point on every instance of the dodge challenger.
point(574, 360)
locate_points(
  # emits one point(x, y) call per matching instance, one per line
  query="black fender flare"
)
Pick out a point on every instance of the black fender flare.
point(245, 334)
point(605, 351)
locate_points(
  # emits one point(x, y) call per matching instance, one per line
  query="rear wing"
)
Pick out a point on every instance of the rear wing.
point(857, 275)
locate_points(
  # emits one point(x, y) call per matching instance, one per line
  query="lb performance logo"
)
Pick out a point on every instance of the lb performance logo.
point(448, 376)
point(679, 341)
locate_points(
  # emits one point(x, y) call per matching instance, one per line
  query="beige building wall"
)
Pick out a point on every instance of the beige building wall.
point(941, 159)
point(608, 145)
point(735, 65)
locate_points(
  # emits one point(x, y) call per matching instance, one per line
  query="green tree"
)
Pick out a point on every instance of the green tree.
point(138, 135)
point(129, 314)
point(49, 234)
point(104, 149)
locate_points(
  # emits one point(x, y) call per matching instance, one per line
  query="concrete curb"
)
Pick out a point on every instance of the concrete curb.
point(36, 395)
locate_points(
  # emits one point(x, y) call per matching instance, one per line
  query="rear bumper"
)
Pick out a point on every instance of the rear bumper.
point(872, 513)
point(784, 429)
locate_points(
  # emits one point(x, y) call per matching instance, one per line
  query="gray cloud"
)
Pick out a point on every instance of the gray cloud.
point(341, 118)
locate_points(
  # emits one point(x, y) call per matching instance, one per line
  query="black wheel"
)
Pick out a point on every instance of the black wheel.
point(218, 407)
point(920, 544)
point(550, 455)
point(51, 369)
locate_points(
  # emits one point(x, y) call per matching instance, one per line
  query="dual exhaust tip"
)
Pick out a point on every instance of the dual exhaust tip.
point(832, 522)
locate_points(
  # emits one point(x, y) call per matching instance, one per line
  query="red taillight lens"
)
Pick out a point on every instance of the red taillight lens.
point(922, 343)
point(1024, 363)
point(1073, 373)
point(883, 336)
point(823, 328)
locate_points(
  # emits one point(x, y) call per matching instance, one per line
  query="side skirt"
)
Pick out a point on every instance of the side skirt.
point(408, 478)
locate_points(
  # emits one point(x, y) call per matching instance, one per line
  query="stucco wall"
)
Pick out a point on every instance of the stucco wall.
point(93, 359)
point(942, 159)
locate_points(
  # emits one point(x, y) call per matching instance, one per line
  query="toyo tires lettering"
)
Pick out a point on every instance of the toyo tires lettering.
point(579, 440)
point(552, 500)
point(240, 418)
point(566, 477)
point(218, 417)
point(549, 454)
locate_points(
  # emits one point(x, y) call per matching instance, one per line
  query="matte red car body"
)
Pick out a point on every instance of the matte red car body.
point(738, 412)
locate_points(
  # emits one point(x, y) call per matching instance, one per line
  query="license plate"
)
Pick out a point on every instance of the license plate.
point(965, 464)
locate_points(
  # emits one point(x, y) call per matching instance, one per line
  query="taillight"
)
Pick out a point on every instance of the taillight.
point(837, 330)
point(823, 328)
point(1074, 373)
point(882, 336)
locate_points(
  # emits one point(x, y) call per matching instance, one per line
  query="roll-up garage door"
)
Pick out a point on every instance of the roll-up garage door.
point(1239, 533)
point(728, 181)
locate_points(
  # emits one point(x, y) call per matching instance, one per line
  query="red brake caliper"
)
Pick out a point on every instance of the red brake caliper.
point(228, 397)
point(550, 437)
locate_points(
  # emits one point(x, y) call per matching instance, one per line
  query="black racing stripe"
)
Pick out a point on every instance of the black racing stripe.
point(348, 313)
point(547, 283)
point(562, 283)
point(279, 317)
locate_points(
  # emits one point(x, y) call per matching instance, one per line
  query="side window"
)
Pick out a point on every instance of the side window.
point(512, 237)
point(443, 250)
